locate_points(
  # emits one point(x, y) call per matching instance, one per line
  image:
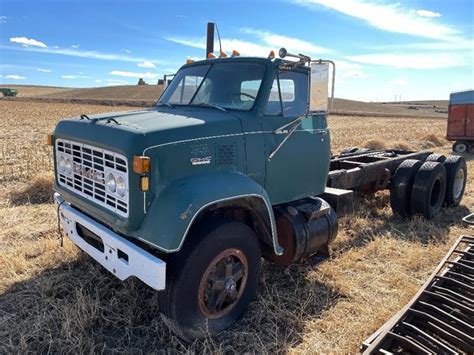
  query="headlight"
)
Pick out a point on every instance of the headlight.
point(68, 166)
point(121, 187)
point(61, 164)
point(110, 182)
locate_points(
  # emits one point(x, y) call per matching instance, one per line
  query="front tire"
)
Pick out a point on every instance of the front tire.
point(211, 280)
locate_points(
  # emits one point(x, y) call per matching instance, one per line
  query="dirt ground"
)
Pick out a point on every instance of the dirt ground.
point(55, 299)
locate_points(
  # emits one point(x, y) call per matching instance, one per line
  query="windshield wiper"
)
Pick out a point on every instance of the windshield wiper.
point(165, 104)
point(211, 105)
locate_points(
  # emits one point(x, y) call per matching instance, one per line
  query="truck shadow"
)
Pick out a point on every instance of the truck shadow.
point(79, 307)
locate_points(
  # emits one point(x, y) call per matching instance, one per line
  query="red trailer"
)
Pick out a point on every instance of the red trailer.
point(461, 120)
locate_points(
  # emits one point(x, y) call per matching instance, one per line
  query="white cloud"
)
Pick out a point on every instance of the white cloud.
point(398, 82)
point(75, 77)
point(15, 77)
point(115, 82)
point(75, 46)
point(44, 70)
point(127, 51)
point(196, 42)
point(146, 64)
point(354, 73)
point(413, 60)
point(427, 13)
point(290, 43)
point(388, 17)
point(128, 74)
point(3, 19)
point(98, 81)
point(28, 42)
point(83, 54)
point(266, 41)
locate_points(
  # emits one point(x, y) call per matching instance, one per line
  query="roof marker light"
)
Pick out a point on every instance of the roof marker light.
point(222, 54)
point(235, 53)
point(189, 61)
point(211, 55)
point(271, 55)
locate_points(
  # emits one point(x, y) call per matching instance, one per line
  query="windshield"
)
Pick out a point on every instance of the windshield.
point(230, 85)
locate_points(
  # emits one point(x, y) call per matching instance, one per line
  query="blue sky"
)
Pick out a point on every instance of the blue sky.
point(416, 49)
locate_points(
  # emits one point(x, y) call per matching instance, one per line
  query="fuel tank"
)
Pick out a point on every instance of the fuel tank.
point(305, 228)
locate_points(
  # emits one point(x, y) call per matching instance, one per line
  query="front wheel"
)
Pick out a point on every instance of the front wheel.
point(211, 281)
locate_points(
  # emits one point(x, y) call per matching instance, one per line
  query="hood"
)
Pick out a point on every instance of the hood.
point(132, 131)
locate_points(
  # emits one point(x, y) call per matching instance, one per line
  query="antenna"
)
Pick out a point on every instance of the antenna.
point(219, 38)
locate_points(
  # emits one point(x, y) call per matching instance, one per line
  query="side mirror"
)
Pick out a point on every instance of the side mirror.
point(282, 52)
point(318, 100)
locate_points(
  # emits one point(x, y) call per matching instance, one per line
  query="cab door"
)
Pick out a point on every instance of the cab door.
point(298, 156)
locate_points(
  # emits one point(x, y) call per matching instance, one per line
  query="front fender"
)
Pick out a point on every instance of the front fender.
point(171, 214)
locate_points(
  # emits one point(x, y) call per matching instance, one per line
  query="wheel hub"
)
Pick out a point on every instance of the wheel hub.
point(223, 283)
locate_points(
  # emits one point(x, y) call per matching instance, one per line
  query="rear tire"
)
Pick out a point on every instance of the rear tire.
point(401, 186)
point(461, 147)
point(211, 281)
point(429, 190)
point(439, 158)
point(456, 173)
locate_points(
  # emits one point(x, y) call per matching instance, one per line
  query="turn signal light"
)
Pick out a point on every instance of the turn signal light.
point(271, 55)
point(141, 164)
point(222, 54)
point(211, 56)
point(144, 183)
point(235, 53)
point(49, 140)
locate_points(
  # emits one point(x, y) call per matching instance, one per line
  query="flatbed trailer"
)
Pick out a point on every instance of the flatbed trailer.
point(440, 317)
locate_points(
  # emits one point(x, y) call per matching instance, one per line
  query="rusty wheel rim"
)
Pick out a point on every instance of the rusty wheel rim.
point(223, 283)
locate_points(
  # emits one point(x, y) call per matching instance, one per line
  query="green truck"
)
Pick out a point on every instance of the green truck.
point(233, 164)
point(8, 92)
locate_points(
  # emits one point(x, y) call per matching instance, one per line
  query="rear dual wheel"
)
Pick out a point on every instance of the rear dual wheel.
point(424, 188)
point(429, 189)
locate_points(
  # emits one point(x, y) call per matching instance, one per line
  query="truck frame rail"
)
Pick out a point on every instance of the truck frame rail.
point(366, 169)
point(440, 318)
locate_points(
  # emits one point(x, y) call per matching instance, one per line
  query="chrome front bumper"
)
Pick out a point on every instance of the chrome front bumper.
point(119, 256)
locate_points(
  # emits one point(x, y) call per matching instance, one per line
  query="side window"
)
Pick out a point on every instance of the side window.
point(273, 107)
point(294, 95)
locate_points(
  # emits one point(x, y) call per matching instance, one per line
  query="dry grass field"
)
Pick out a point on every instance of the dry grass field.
point(55, 299)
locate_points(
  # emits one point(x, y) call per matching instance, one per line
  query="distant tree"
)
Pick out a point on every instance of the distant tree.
point(141, 82)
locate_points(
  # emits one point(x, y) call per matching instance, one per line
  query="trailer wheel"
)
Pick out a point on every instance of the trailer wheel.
point(210, 282)
point(461, 147)
point(400, 188)
point(439, 158)
point(456, 173)
point(429, 189)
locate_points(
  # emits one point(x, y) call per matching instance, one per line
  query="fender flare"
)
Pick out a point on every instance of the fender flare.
point(171, 214)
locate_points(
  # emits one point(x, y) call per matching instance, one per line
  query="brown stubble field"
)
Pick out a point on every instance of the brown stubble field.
point(55, 299)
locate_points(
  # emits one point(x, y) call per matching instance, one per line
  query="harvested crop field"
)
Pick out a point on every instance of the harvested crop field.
point(148, 94)
point(55, 299)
